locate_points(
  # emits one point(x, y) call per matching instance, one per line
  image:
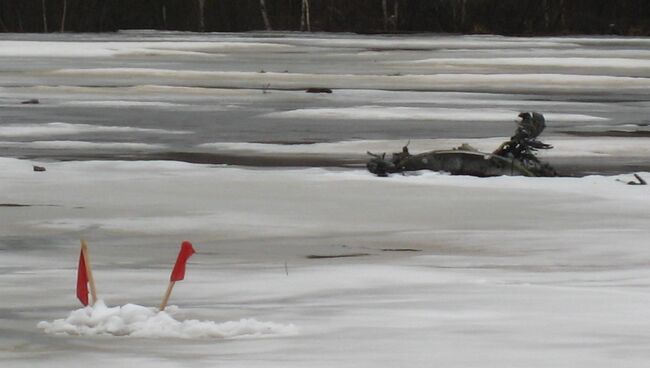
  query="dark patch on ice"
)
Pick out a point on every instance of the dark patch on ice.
point(314, 256)
point(318, 90)
point(257, 160)
point(27, 205)
point(290, 143)
point(32, 243)
point(401, 250)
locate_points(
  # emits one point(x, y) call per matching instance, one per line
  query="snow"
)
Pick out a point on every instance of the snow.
point(72, 49)
point(123, 103)
point(418, 113)
point(425, 42)
point(83, 145)
point(314, 267)
point(139, 321)
point(453, 82)
point(60, 128)
point(486, 275)
point(565, 62)
point(562, 146)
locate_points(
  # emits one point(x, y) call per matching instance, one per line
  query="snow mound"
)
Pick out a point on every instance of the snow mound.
point(139, 321)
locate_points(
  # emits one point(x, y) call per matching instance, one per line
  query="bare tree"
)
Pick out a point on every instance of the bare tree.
point(201, 4)
point(305, 22)
point(463, 12)
point(384, 8)
point(265, 16)
point(547, 17)
point(390, 20)
point(44, 16)
point(65, 11)
point(562, 15)
point(163, 10)
point(395, 17)
point(2, 23)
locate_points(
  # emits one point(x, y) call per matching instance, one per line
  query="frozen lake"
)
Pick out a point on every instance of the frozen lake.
point(152, 95)
point(304, 259)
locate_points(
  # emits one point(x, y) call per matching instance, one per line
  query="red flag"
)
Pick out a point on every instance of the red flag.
point(178, 273)
point(82, 280)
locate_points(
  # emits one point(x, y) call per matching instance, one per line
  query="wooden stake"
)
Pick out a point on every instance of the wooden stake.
point(89, 271)
point(167, 295)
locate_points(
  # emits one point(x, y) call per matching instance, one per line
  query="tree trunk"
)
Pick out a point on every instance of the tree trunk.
point(164, 16)
point(265, 16)
point(44, 16)
point(395, 15)
point(2, 23)
point(547, 17)
point(20, 21)
point(65, 11)
point(201, 15)
point(384, 8)
point(463, 11)
point(305, 22)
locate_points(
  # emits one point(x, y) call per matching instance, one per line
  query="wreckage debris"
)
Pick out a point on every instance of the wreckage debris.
point(515, 157)
point(639, 182)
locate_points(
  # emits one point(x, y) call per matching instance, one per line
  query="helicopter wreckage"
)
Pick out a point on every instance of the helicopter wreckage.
point(515, 157)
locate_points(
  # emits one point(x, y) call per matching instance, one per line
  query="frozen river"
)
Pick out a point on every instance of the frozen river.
point(304, 259)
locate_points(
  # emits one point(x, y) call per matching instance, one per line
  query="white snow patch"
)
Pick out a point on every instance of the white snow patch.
point(562, 146)
point(417, 113)
point(139, 321)
point(83, 145)
point(424, 43)
point(123, 103)
point(59, 128)
point(107, 49)
point(527, 83)
point(564, 62)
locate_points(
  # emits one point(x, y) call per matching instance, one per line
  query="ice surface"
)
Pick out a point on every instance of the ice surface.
point(562, 146)
point(453, 82)
point(508, 268)
point(122, 103)
point(567, 62)
point(108, 49)
point(83, 145)
point(139, 321)
point(415, 270)
point(58, 128)
point(418, 113)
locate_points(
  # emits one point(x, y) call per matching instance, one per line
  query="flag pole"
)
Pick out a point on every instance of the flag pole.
point(167, 295)
point(178, 272)
point(89, 271)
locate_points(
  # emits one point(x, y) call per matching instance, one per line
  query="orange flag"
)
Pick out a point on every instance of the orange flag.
point(82, 280)
point(178, 273)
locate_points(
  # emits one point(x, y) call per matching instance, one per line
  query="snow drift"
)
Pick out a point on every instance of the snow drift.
point(139, 321)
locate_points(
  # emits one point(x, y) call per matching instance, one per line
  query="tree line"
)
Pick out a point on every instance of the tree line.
point(508, 17)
